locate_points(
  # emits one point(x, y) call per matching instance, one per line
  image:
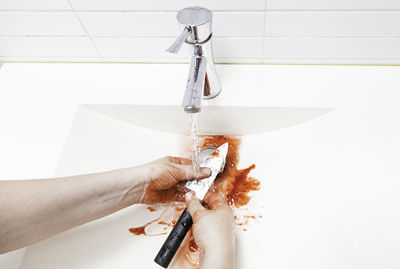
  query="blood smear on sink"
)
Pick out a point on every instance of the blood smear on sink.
point(235, 184)
point(166, 219)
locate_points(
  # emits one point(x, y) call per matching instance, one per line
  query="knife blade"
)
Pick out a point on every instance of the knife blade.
point(215, 162)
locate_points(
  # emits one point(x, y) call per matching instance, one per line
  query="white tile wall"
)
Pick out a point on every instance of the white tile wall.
point(153, 49)
point(51, 59)
point(140, 24)
point(40, 23)
point(164, 24)
point(240, 48)
point(34, 5)
point(346, 50)
point(150, 48)
point(333, 24)
point(163, 5)
point(333, 4)
point(238, 24)
point(47, 47)
point(252, 31)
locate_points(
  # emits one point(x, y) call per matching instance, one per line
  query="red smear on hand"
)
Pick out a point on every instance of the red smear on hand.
point(192, 246)
point(235, 184)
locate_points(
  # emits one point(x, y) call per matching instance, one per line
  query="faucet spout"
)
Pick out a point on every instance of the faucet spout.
point(203, 82)
point(195, 85)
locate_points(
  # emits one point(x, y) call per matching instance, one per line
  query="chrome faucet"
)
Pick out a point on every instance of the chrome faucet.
point(203, 80)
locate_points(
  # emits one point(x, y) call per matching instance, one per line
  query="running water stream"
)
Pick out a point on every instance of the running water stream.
point(195, 143)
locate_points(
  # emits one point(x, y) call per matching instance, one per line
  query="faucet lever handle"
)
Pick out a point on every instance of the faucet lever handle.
point(176, 46)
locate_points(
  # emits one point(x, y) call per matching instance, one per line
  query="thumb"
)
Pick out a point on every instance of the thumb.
point(193, 204)
point(191, 174)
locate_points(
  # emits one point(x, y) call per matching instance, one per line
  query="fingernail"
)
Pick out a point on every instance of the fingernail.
point(206, 171)
point(188, 196)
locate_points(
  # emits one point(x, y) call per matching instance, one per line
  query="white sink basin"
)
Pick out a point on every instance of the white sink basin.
point(326, 201)
point(218, 120)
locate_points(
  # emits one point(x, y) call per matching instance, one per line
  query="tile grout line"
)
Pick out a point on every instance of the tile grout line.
point(87, 32)
point(270, 58)
point(222, 63)
point(330, 37)
point(264, 32)
point(174, 11)
point(116, 11)
point(49, 57)
point(216, 37)
point(334, 10)
point(40, 35)
point(126, 36)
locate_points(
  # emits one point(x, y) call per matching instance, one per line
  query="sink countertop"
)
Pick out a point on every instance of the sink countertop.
point(39, 101)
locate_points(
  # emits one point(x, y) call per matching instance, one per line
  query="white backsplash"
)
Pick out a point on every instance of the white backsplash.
point(252, 31)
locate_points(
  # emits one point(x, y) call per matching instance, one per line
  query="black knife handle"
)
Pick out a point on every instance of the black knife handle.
point(174, 239)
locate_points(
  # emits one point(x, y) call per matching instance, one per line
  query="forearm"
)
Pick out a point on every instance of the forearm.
point(32, 210)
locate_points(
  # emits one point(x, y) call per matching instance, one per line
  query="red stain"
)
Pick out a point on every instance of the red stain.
point(138, 230)
point(192, 246)
point(215, 153)
point(167, 218)
point(241, 185)
point(235, 184)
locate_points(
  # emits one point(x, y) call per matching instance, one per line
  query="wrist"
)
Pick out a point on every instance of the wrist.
point(131, 185)
point(219, 256)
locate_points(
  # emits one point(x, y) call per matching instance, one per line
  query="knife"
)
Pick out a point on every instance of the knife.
point(215, 161)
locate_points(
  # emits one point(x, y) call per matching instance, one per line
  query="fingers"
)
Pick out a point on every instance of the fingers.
point(190, 174)
point(186, 165)
point(179, 196)
point(180, 187)
point(193, 204)
point(214, 200)
point(179, 160)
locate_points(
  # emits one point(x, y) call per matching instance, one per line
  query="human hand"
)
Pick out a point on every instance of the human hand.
point(213, 230)
point(164, 179)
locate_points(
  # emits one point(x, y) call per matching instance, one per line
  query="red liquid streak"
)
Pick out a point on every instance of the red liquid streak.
point(167, 218)
point(138, 230)
point(215, 153)
point(235, 184)
point(192, 246)
point(241, 186)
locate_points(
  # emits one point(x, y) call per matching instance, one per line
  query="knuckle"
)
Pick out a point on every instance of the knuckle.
point(197, 215)
point(179, 173)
